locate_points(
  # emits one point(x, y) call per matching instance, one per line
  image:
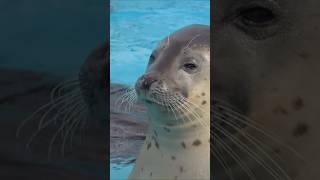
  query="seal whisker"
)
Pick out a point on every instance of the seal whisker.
point(196, 116)
point(248, 122)
point(235, 157)
point(41, 108)
point(226, 107)
point(76, 128)
point(74, 123)
point(172, 102)
point(128, 97)
point(65, 122)
point(132, 100)
point(216, 153)
point(72, 96)
point(45, 125)
point(188, 44)
point(192, 112)
point(62, 110)
point(82, 126)
point(58, 89)
point(204, 124)
point(127, 101)
point(249, 151)
point(72, 109)
point(167, 102)
point(259, 145)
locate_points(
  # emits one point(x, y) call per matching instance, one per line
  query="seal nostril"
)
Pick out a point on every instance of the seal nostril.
point(147, 82)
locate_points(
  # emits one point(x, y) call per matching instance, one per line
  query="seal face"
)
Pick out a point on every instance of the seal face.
point(266, 102)
point(176, 91)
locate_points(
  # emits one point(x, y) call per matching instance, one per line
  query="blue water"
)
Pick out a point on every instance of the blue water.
point(53, 36)
point(136, 26)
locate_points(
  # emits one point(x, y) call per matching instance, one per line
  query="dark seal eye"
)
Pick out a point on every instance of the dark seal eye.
point(260, 22)
point(190, 67)
point(151, 59)
point(257, 16)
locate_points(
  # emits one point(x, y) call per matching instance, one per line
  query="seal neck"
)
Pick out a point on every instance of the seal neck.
point(177, 133)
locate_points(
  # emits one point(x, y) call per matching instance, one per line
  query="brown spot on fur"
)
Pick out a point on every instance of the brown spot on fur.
point(181, 169)
point(300, 130)
point(183, 145)
point(151, 174)
point(304, 55)
point(176, 178)
point(280, 110)
point(298, 104)
point(203, 94)
point(173, 157)
point(204, 102)
point(277, 150)
point(197, 142)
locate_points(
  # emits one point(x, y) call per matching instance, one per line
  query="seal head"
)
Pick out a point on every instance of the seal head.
point(176, 91)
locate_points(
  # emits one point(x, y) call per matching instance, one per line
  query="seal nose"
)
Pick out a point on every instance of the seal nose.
point(146, 81)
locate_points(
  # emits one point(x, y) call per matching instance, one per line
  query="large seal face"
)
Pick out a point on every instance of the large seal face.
point(176, 91)
point(178, 70)
point(265, 87)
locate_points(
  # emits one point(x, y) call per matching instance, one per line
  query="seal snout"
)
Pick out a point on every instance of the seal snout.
point(146, 81)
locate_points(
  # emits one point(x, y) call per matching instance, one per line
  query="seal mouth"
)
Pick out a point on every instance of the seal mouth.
point(153, 101)
point(159, 97)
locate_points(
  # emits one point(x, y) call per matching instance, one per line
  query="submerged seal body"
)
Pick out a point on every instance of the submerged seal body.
point(176, 91)
point(265, 89)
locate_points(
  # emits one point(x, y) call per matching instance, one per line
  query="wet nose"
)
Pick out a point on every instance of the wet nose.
point(146, 81)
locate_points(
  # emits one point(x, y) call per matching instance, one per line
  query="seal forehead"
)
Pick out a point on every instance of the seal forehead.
point(190, 35)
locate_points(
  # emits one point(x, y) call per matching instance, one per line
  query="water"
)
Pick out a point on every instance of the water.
point(136, 26)
point(53, 36)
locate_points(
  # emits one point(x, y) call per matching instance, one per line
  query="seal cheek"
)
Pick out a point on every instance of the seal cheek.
point(183, 91)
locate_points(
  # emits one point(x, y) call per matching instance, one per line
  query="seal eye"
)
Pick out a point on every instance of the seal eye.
point(260, 21)
point(257, 16)
point(151, 59)
point(190, 67)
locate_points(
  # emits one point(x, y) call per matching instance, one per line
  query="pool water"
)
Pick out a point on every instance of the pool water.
point(136, 26)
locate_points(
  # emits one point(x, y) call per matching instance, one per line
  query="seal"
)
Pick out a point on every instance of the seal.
point(74, 105)
point(176, 91)
point(266, 99)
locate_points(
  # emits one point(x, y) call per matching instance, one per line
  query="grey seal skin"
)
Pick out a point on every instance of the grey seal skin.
point(265, 91)
point(176, 91)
